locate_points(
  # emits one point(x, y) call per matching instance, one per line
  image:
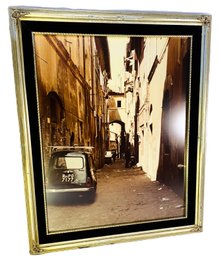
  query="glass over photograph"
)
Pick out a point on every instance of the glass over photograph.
point(113, 114)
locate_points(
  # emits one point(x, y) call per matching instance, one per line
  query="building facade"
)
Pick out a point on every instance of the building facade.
point(72, 73)
point(157, 75)
point(146, 65)
point(176, 94)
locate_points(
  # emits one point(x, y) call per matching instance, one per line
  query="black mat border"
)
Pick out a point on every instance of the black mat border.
point(27, 28)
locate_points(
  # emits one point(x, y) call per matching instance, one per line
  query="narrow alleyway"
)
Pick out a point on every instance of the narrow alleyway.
point(123, 196)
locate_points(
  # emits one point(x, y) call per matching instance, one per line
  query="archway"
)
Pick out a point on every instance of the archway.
point(122, 136)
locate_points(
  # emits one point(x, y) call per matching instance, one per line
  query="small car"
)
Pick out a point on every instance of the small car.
point(71, 173)
point(108, 157)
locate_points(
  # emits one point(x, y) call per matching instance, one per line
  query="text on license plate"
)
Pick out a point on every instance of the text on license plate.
point(68, 178)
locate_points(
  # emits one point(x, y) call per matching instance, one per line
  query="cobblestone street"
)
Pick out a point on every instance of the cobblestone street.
point(123, 196)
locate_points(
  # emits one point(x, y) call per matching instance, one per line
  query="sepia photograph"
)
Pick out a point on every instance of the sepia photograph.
point(112, 116)
point(111, 109)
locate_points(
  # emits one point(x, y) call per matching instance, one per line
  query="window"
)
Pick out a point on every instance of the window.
point(119, 103)
point(69, 162)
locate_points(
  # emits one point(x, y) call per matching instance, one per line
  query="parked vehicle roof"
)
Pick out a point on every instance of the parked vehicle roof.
point(75, 149)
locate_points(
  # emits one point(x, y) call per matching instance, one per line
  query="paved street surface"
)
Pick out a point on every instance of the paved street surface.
point(123, 196)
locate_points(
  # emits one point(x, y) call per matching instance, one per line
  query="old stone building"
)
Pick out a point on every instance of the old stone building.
point(72, 73)
point(157, 75)
point(146, 63)
point(176, 93)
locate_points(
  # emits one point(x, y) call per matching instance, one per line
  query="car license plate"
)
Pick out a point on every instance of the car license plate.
point(68, 178)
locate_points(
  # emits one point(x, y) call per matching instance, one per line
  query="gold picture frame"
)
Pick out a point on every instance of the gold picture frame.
point(71, 92)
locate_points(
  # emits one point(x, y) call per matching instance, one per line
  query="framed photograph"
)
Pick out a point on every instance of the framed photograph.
point(112, 109)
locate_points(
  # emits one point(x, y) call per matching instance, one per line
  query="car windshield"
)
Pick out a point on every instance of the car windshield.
point(69, 162)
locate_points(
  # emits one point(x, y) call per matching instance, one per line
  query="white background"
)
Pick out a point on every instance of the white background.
point(13, 228)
